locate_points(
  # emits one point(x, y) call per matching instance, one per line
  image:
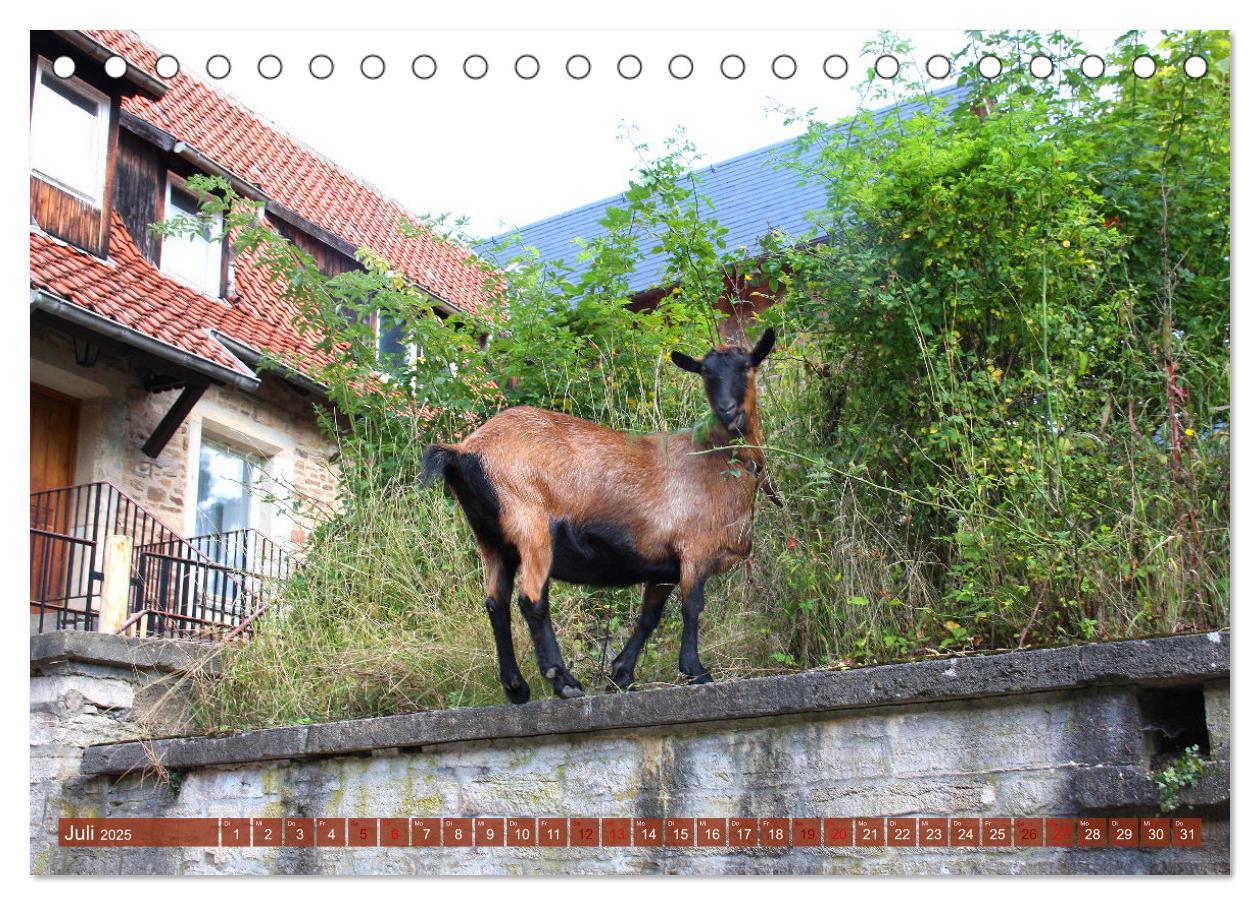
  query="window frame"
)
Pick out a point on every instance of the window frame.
point(44, 71)
point(256, 470)
point(175, 181)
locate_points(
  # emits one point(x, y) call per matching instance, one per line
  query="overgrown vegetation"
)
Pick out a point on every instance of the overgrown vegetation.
point(999, 414)
point(1182, 772)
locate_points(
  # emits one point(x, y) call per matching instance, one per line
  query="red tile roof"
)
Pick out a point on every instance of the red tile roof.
point(295, 176)
point(131, 291)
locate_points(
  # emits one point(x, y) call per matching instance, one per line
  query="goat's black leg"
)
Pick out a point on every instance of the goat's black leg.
point(500, 572)
point(550, 661)
point(689, 657)
point(654, 597)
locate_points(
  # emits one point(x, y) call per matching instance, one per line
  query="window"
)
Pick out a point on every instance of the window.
point(393, 353)
point(195, 259)
point(69, 134)
point(224, 490)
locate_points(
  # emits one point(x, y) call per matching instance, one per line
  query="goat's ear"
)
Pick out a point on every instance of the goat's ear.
point(686, 362)
point(763, 347)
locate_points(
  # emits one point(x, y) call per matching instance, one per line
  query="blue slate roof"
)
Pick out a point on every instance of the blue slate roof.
point(752, 196)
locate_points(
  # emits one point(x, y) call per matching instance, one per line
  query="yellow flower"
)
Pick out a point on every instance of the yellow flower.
point(1067, 243)
point(1189, 431)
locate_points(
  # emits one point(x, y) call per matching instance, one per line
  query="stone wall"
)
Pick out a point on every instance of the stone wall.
point(276, 424)
point(1067, 732)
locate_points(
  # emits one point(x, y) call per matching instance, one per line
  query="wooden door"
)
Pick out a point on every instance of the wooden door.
point(54, 442)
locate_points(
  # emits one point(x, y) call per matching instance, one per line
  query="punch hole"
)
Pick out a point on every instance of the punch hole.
point(887, 66)
point(578, 66)
point(680, 66)
point(990, 66)
point(527, 66)
point(321, 66)
point(63, 67)
point(1041, 66)
point(476, 66)
point(1195, 67)
point(835, 67)
point(629, 67)
point(783, 66)
point(115, 67)
point(372, 66)
point(218, 66)
point(939, 66)
point(424, 67)
point(1092, 66)
point(167, 66)
point(1143, 66)
point(732, 66)
point(269, 66)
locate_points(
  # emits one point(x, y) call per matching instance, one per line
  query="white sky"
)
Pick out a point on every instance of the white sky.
point(504, 151)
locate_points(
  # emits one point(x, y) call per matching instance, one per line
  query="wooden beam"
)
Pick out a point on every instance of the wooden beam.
point(172, 420)
point(116, 585)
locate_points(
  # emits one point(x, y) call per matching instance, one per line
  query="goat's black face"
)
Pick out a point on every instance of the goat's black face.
point(728, 379)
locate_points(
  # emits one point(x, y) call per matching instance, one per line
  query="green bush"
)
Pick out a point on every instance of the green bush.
point(999, 410)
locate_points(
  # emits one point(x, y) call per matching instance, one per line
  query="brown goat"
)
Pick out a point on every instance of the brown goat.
point(553, 496)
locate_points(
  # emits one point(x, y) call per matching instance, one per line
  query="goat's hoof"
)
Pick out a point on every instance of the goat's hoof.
point(518, 693)
point(623, 680)
point(570, 691)
point(703, 679)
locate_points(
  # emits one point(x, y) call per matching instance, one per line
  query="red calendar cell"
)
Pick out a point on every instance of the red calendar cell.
point(553, 832)
point(330, 832)
point(1122, 832)
point(742, 832)
point(868, 832)
point(964, 832)
point(522, 831)
point(649, 831)
point(1091, 832)
point(457, 832)
point(234, 831)
point(776, 832)
point(806, 832)
point(615, 831)
point(489, 832)
point(680, 832)
point(934, 831)
point(1061, 832)
point(268, 831)
point(584, 831)
point(362, 832)
point(395, 832)
point(1029, 832)
point(903, 832)
point(995, 832)
point(711, 832)
point(299, 832)
point(1156, 832)
point(838, 831)
point(1187, 832)
point(426, 832)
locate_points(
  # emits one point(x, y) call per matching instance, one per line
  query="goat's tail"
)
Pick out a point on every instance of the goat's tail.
point(438, 459)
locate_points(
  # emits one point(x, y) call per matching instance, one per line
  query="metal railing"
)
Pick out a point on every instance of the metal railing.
point(203, 587)
point(69, 526)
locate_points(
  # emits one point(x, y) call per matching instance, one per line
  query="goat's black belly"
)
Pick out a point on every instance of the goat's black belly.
point(603, 554)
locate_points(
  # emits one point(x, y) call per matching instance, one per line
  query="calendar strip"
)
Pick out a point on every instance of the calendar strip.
point(485, 832)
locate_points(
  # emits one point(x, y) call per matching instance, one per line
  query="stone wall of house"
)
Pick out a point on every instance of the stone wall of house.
point(1070, 732)
point(277, 423)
